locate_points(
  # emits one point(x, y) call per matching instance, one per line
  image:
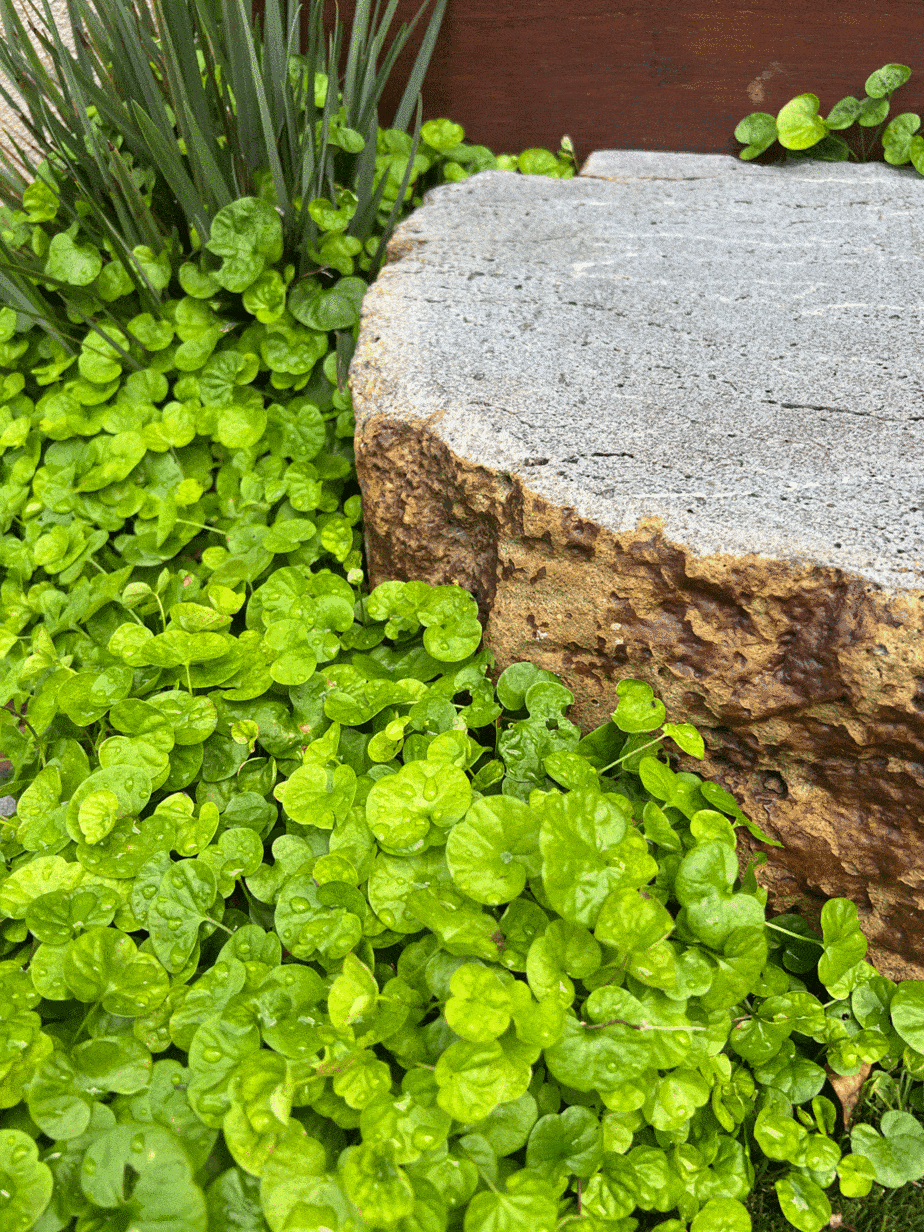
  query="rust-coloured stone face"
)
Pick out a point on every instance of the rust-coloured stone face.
point(806, 684)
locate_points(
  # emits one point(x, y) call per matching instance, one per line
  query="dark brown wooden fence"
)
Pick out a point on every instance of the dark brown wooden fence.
point(647, 74)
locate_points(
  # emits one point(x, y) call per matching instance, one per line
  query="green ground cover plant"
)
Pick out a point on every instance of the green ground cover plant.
point(309, 923)
point(799, 128)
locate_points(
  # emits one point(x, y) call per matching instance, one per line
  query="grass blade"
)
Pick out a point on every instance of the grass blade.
point(266, 120)
point(421, 64)
point(202, 151)
point(167, 158)
point(237, 34)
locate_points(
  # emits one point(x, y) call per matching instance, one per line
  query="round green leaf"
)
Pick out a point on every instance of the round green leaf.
point(337, 307)
point(722, 1215)
point(103, 965)
point(443, 135)
point(490, 1211)
point(182, 902)
point(104, 799)
point(128, 846)
point(40, 201)
point(376, 1183)
point(77, 264)
point(631, 921)
point(86, 697)
point(60, 1107)
point(779, 1136)
point(153, 334)
point(675, 1098)
point(803, 1202)
point(318, 795)
point(493, 849)
point(907, 1012)
point(507, 1128)
point(479, 1007)
point(573, 1138)
point(192, 719)
point(401, 807)
point(588, 851)
point(471, 1080)
point(111, 459)
point(638, 710)
point(293, 1177)
point(308, 925)
point(56, 917)
point(393, 878)
point(247, 225)
point(856, 1174)
point(31, 880)
point(799, 125)
point(414, 1125)
point(897, 1153)
point(117, 1063)
point(25, 1183)
point(144, 1173)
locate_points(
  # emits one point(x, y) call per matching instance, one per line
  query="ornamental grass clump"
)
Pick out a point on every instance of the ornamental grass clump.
point(310, 921)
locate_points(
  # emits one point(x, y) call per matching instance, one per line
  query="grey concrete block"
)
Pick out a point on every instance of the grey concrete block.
point(737, 350)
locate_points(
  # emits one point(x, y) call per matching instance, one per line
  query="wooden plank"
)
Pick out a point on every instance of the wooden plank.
point(647, 75)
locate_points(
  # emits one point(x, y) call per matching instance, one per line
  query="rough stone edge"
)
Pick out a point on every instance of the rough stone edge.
point(469, 507)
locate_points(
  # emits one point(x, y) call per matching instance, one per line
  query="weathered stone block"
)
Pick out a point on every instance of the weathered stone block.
point(666, 420)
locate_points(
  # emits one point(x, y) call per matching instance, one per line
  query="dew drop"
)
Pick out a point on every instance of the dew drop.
point(289, 980)
point(301, 904)
point(211, 1055)
point(173, 925)
point(89, 1166)
point(430, 792)
point(20, 1153)
point(138, 1142)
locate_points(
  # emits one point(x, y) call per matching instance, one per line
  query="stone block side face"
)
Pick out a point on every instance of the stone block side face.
point(807, 683)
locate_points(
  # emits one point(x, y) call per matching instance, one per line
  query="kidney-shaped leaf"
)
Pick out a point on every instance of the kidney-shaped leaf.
point(145, 1174)
point(494, 849)
point(103, 965)
point(401, 807)
point(479, 1007)
point(182, 901)
point(587, 852)
point(26, 1182)
point(907, 1011)
point(573, 1138)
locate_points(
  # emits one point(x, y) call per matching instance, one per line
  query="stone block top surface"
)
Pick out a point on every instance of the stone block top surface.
point(733, 348)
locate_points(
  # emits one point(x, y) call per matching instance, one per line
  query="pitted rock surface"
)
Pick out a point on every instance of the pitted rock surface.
point(666, 420)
